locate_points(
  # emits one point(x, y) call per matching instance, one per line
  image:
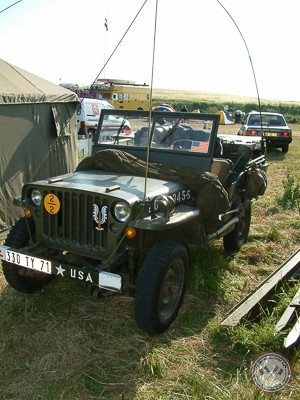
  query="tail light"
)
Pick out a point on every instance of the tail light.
point(251, 133)
point(82, 125)
point(127, 130)
point(287, 134)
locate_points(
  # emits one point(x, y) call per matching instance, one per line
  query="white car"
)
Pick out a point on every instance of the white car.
point(88, 114)
point(272, 127)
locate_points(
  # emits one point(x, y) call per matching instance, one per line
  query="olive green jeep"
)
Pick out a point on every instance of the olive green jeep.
point(156, 183)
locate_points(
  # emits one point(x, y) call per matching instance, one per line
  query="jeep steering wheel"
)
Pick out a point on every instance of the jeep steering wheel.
point(182, 144)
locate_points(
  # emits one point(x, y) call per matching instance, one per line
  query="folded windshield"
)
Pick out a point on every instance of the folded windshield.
point(189, 132)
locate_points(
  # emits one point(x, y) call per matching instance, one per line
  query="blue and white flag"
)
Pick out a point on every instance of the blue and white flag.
point(105, 24)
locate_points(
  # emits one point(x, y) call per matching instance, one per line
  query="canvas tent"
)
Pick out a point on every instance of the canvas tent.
point(38, 136)
point(225, 118)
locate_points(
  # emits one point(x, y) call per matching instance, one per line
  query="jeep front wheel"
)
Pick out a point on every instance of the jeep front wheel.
point(236, 238)
point(23, 279)
point(161, 286)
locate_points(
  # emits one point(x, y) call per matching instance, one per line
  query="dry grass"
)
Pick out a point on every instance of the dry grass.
point(183, 95)
point(64, 344)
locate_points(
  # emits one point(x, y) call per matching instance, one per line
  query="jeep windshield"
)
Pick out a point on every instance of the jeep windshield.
point(164, 131)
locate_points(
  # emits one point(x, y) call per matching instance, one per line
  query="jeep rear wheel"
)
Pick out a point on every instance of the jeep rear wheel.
point(161, 286)
point(23, 279)
point(236, 238)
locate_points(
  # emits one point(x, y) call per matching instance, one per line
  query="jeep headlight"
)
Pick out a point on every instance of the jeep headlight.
point(122, 211)
point(163, 206)
point(36, 197)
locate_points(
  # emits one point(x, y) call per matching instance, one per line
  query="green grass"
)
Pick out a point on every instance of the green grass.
point(63, 344)
point(212, 102)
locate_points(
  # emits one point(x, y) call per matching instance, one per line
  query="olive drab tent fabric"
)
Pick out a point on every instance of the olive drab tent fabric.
point(38, 136)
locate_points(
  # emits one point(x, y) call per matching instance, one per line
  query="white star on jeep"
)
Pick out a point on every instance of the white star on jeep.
point(60, 270)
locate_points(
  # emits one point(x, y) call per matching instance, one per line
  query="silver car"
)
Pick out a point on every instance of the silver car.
point(271, 126)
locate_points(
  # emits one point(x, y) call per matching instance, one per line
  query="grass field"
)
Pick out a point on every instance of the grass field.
point(183, 95)
point(212, 102)
point(64, 344)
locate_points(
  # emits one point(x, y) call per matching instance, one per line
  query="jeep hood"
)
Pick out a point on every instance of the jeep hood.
point(110, 184)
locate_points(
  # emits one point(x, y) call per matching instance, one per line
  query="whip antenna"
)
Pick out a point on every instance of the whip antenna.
point(258, 98)
point(150, 107)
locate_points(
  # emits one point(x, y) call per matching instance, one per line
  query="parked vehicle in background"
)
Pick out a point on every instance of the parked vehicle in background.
point(88, 115)
point(122, 94)
point(271, 126)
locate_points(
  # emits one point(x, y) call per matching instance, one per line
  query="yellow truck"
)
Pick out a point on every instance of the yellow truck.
point(123, 94)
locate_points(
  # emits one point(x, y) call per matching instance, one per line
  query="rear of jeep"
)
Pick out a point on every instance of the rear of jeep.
point(122, 222)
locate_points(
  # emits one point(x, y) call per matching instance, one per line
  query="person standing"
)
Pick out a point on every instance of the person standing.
point(184, 108)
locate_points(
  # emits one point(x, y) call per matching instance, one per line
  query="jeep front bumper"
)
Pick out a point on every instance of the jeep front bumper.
point(102, 279)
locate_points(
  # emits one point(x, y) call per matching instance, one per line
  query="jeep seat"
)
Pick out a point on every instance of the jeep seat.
point(222, 168)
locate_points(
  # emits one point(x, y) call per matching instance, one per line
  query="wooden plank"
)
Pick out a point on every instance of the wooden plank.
point(293, 337)
point(288, 313)
point(263, 291)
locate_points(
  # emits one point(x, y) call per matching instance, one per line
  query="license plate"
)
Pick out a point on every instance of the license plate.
point(110, 281)
point(37, 264)
point(270, 134)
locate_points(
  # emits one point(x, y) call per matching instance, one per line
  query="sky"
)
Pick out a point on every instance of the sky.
point(171, 44)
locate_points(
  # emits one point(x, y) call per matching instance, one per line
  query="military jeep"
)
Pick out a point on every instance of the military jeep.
point(124, 220)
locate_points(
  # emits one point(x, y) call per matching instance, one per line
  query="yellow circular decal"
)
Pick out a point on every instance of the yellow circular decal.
point(52, 203)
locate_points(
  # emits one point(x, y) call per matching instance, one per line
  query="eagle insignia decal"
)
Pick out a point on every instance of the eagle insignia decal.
point(100, 216)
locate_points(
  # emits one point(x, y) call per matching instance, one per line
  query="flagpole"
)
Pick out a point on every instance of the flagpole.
point(104, 49)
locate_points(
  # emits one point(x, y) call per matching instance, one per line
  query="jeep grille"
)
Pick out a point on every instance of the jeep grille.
point(74, 224)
